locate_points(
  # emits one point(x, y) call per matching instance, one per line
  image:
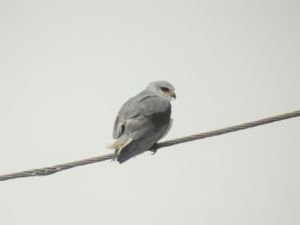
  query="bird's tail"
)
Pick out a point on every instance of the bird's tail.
point(120, 143)
point(132, 149)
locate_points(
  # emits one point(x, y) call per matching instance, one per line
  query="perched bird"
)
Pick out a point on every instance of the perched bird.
point(143, 120)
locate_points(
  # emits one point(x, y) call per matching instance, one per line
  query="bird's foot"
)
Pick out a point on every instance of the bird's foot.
point(153, 149)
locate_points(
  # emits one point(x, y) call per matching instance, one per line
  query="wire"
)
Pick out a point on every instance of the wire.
point(60, 167)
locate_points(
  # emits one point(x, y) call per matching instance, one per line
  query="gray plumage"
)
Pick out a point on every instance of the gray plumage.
point(143, 120)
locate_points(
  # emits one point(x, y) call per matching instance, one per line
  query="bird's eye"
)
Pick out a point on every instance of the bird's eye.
point(164, 89)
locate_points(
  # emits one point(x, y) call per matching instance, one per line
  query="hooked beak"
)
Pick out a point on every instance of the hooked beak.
point(173, 95)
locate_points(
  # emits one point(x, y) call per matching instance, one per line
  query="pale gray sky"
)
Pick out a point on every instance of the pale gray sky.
point(67, 67)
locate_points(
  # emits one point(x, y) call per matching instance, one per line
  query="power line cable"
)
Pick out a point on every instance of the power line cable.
point(60, 167)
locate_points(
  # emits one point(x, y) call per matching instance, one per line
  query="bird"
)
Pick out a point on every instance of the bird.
point(143, 120)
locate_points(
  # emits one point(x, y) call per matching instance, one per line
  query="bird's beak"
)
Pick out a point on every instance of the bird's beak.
point(173, 95)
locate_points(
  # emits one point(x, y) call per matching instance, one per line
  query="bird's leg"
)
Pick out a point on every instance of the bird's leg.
point(153, 149)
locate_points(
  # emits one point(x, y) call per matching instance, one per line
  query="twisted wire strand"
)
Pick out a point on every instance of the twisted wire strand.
point(60, 167)
point(235, 128)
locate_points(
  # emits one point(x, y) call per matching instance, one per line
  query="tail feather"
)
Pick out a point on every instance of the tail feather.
point(120, 143)
point(133, 149)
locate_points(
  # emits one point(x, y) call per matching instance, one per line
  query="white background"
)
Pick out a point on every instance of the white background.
point(68, 66)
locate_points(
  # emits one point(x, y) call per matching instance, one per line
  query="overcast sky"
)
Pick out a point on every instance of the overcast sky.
point(68, 66)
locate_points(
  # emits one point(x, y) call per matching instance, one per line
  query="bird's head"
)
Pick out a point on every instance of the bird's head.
point(163, 89)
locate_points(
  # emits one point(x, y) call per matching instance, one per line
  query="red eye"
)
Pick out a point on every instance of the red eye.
point(164, 89)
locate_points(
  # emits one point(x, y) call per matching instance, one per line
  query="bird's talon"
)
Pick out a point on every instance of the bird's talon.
point(153, 150)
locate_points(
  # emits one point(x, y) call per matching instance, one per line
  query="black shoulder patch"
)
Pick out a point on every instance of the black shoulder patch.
point(161, 118)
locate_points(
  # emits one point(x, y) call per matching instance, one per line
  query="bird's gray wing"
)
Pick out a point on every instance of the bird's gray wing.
point(151, 115)
point(131, 109)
